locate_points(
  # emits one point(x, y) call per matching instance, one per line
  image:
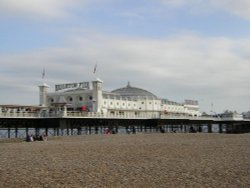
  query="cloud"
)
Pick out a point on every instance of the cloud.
point(210, 69)
point(58, 9)
point(175, 3)
point(213, 69)
point(39, 9)
point(240, 8)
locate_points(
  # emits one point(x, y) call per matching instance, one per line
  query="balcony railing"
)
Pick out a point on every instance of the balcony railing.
point(76, 114)
point(19, 115)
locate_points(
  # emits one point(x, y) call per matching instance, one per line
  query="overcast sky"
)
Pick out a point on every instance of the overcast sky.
point(176, 49)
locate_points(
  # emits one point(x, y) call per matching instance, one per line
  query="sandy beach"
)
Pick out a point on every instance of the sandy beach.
point(141, 160)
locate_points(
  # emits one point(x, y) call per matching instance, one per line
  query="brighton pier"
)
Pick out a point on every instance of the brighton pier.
point(85, 108)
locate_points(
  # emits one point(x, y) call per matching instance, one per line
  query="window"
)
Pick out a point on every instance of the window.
point(69, 99)
point(80, 98)
point(142, 102)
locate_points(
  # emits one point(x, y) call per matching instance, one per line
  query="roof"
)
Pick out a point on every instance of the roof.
point(130, 91)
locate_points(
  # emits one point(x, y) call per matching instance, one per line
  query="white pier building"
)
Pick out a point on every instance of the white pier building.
point(127, 101)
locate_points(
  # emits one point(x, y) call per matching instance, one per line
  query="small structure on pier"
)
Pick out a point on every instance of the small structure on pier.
point(229, 115)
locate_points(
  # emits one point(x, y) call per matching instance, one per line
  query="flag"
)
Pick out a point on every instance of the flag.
point(95, 68)
point(43, 74)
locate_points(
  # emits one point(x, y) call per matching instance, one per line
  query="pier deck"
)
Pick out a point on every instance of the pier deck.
point(21, 124)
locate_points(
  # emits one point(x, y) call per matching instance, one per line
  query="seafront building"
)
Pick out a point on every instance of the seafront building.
point(128, 101)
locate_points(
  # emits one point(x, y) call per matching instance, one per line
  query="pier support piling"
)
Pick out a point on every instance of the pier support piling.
point(209, 128)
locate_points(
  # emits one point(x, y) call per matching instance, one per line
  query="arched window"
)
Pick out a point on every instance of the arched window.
point(50, 100)
point(70, 99)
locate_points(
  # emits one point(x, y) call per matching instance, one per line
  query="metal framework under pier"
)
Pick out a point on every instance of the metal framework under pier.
point(21, 127)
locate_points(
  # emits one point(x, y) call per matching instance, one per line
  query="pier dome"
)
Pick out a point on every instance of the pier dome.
point(130, 91)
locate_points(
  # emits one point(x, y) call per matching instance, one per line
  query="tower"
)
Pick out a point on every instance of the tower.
point(43, 90)
point(97, 95)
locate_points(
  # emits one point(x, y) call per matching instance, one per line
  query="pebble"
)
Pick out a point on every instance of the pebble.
point(141, 160)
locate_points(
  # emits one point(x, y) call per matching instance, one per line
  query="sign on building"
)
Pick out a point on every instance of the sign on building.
point(82, 85)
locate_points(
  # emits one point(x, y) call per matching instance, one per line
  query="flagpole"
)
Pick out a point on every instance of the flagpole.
point(43, 74)
point(95, 70)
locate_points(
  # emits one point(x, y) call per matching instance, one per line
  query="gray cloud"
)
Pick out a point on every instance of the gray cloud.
point(188, 66)
point(39, 9)
point(240, 8)
point(58, 9)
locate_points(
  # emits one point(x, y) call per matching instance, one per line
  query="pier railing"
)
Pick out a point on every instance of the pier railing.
point(75, 114)
point(135, 116)
point(19, 115)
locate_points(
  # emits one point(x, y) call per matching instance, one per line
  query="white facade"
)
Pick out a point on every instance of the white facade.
point(228, 115)
point(129, 101)
point(246, 115)
point(43, 90)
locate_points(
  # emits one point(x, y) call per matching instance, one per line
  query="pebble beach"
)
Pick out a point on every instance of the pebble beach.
point(128, 160)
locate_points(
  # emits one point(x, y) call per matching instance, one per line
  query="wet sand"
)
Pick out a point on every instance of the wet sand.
point(141, 160)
